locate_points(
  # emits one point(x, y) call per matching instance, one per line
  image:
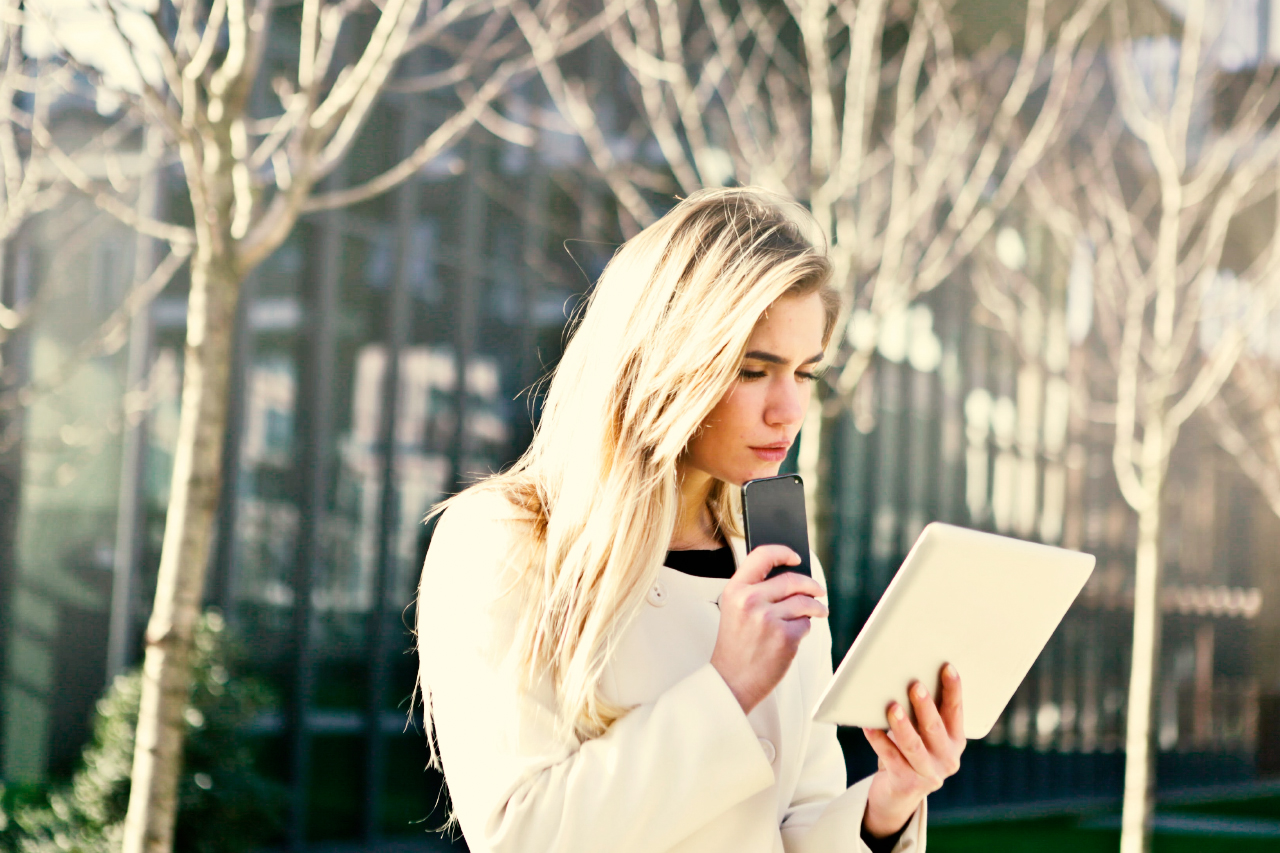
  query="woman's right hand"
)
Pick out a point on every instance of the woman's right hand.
point(762, 623)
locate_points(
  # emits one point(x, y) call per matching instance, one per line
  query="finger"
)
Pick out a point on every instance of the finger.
point(798, 606)
point(950, 705)
point(890, 756)
point(929, 723)
point(797, 629)
point(790, 583)
point(762, 560)
point(909, 743)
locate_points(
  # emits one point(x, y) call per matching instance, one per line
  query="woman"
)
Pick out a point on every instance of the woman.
point(605, 668)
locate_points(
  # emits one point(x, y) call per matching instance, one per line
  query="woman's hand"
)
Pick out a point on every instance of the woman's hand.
point(762, 623)
point(914, 762)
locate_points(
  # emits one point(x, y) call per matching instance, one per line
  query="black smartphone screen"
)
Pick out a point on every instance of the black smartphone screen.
point(773, 514)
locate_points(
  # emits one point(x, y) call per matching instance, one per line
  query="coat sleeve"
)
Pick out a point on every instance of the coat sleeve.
point(824, 816)
point(658, 774)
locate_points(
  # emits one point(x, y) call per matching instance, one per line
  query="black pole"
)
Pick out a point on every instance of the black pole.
point(14, 284)
point(131, 502)
point(398, 310)
point(467, 293)
point(534, 256)
point(314, 428)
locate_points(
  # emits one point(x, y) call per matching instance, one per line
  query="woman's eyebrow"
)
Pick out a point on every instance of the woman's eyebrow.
point(761, 355)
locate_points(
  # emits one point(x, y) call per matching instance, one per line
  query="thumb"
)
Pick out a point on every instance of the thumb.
point(764, 559)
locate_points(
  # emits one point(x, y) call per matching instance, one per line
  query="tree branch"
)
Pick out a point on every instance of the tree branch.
point(108, 201)
point(109, 336)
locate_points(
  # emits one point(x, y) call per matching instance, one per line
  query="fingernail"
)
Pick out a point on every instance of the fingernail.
point(950, 672)
point(919, 691)
point(896, 712)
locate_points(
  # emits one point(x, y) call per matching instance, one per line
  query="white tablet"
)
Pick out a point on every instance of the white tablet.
point(985, 603)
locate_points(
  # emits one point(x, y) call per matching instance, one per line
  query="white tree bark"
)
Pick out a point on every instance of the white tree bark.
point(1140, 755)
point(196, 484)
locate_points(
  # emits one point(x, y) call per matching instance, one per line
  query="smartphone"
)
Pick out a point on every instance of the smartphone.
point(773, 514)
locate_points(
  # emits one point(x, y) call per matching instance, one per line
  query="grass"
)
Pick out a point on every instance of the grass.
point(1066, 834)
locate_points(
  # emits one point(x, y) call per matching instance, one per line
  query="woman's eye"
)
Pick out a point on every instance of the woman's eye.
point(760, 374)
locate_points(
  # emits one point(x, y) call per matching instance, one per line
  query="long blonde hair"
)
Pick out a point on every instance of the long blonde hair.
point(660, 342)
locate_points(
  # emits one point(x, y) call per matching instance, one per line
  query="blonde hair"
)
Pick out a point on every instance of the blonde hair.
point(660, 342)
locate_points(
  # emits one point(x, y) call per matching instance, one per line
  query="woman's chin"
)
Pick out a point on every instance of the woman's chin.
point(750, 470)
point(759, 472)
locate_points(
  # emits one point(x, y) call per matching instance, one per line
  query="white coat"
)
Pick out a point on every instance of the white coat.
point(685, 770)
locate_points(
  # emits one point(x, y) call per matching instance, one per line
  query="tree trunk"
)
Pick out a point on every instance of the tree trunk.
point(1140, 753)
point(157, 760)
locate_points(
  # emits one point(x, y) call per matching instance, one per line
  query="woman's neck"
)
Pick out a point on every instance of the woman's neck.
point(695, 529)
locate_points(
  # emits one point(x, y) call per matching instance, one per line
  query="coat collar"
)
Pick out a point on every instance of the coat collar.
point(708, 589)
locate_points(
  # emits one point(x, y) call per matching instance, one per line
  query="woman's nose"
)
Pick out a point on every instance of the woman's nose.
point(786, 403)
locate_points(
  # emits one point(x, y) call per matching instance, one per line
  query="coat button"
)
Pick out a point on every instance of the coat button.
point(769, 752)
point(657, 595)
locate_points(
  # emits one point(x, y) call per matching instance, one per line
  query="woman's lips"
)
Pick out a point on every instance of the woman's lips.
point(770, 454)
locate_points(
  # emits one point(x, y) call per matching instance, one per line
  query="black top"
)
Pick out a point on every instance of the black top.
point(705, 564)
point(718, 563)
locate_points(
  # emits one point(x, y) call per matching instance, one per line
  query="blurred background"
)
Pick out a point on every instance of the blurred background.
point(993, 210)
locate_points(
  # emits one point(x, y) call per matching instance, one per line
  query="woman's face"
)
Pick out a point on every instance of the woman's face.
point(748, 432)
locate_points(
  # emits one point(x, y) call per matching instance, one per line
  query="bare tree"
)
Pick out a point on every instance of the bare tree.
point(193, 72)
point(904, 147)
point(29, 186)
point(1149, 199)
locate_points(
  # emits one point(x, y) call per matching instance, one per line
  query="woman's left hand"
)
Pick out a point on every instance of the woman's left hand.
point(914, 762)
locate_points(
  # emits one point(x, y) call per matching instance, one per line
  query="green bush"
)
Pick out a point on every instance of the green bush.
point(224, 804)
